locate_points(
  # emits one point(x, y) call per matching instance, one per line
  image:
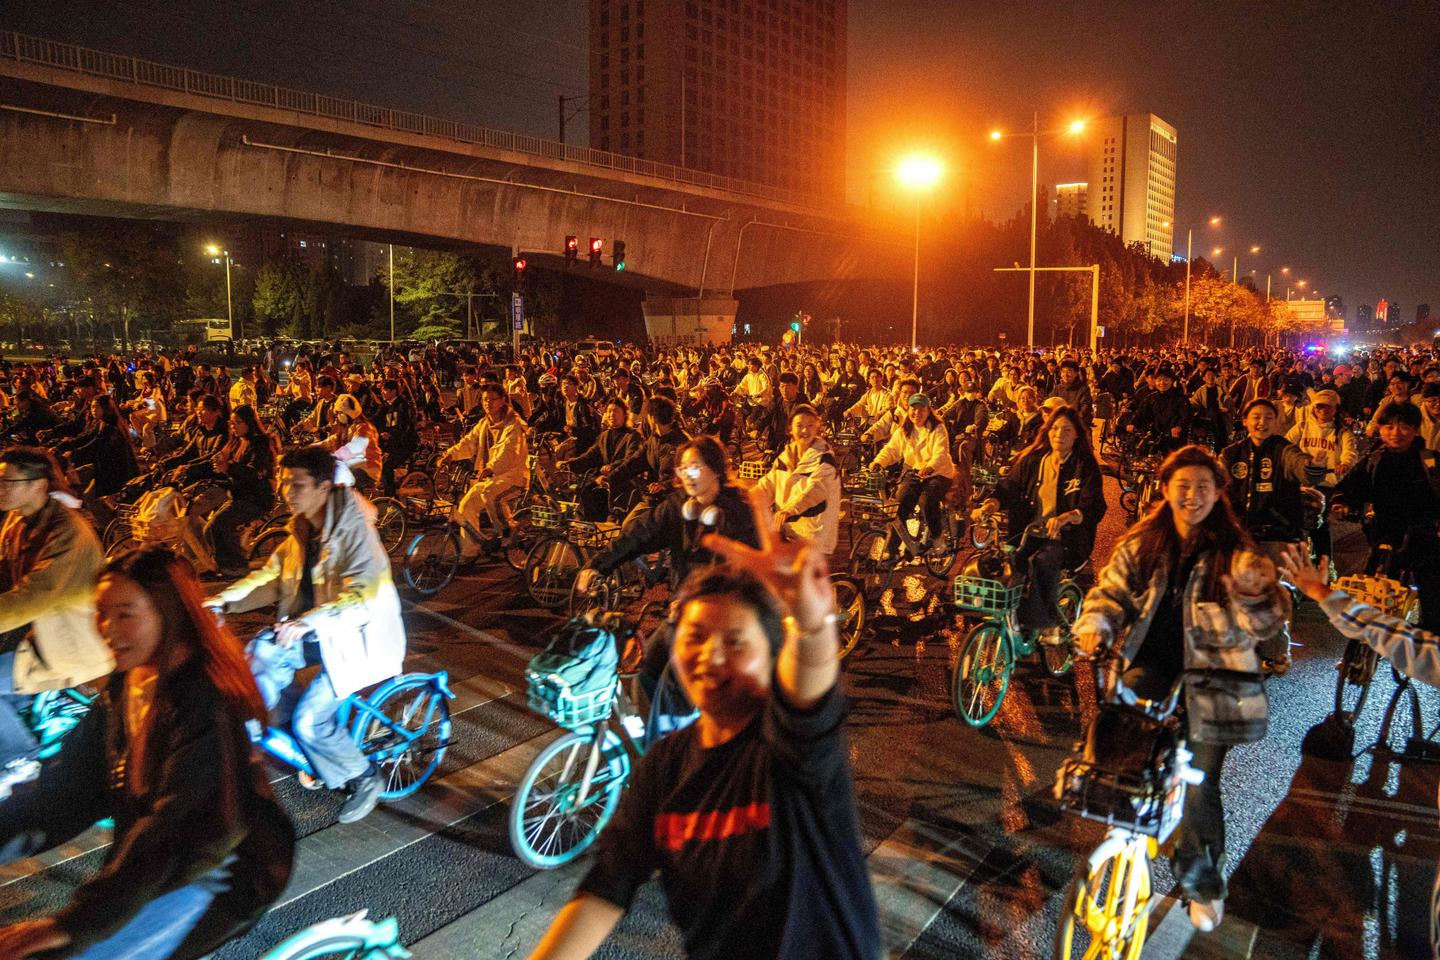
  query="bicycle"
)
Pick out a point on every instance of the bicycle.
point(1355, 670)
point(53, 714)
point(402, 728)
point(1109, 899)
point(572, 788)
point(991, 647)
point(886, 542)
point(555, 560)
point(345, 938)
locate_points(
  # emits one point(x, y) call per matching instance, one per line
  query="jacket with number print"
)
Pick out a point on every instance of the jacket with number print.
point(356, 615)
point(807, 488)
point(1224, 641)
point(500, 447)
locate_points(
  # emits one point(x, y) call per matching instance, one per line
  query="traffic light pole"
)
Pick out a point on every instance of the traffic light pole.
point(915, 291)
point(1094, 271)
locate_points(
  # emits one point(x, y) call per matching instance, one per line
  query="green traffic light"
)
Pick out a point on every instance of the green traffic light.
point(620, 266)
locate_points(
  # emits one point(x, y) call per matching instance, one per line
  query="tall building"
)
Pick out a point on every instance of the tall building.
point(752, 89)
point(1364, 316)
point(1071, 200)
point(1132, 181)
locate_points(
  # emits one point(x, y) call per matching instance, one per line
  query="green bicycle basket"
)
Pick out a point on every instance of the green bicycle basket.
point(983, 595)
point(573, 680)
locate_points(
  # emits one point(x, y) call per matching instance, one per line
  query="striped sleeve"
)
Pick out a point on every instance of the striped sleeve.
point(1413, 651)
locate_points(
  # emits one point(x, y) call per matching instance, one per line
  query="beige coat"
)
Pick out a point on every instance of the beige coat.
point(56, 596)
point(808, 490)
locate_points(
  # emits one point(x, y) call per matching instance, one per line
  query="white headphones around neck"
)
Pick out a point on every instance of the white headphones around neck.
point(708, 516)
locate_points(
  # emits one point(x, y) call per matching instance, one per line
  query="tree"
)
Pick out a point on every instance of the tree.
point(432, 288)
point(131, 272)
point(279, 298)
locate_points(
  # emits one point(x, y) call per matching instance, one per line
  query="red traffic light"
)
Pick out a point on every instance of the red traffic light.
point(572, 244)
point(518, 264)
point(596, 246)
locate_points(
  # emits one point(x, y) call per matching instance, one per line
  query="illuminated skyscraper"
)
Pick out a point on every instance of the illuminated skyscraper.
point(1132, 180)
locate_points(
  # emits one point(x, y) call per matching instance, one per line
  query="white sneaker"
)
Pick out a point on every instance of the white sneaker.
point(1206, 915)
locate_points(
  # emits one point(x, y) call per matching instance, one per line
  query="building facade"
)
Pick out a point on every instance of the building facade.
point(1072, 200)
point(753, 89)
point(1131, 191)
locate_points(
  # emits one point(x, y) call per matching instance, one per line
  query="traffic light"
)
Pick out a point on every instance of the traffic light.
point(617, 254)
point(517, 267)
point(597, 246)
point(795, 325)
point(572, 248)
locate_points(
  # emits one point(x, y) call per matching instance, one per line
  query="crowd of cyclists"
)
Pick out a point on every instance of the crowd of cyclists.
point(137, 490)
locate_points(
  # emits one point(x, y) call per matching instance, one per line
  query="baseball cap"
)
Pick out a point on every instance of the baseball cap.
point(1325, 398)
point(919, 400)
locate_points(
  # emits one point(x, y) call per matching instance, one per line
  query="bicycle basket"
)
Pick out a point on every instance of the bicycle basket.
point(982, 476)
point(753, 469)
point(551, 518)
point(984, 595)
point(573, 680)
point(1384, 594)
point(867, 484)
point(583, 533)
point(1127, 773)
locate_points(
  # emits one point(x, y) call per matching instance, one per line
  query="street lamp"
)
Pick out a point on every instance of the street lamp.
point(1075, 127)
point(217, 251)
point(1189, 241)
point(917, 173)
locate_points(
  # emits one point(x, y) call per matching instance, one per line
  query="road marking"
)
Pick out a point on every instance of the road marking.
point(508, 925)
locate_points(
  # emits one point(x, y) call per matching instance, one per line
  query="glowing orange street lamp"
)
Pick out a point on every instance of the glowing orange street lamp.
point(917, 173)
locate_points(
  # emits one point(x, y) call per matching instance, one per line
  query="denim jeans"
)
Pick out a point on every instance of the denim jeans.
point(16, 740)
point(310, 714)
point(154, 932)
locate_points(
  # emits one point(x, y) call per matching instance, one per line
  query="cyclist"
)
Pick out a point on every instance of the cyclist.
point(246, 465)
point(49, 556)
point(1212, 408)
point(803, 487)
point(706, 502)
point(355, 442)
point(1191, 597)
point(1396, 488)
point(571, 416)
point(1163, 414)
point(1056, 483)
point(319, 420)
point(336, 608)
point(749, 814)
point(653, 465)
point(922, 444)
point(616, 443)
point(874, 403)
point(1266, 473)
point(1074, 391)
point(200, 847)
point(399, 435)
point(1329, 444)
point(773, 420)
point(500, 452)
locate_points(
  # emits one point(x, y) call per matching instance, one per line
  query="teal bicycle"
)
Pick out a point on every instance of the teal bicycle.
point(986, 593)
point(344, 938)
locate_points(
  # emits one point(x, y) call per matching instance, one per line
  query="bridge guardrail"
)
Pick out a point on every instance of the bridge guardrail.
point(118, 66)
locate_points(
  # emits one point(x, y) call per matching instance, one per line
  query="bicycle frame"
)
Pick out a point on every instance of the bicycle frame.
point(596, 734)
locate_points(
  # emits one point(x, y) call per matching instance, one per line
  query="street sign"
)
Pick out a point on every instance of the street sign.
point(517, 311)
point(1100, 331)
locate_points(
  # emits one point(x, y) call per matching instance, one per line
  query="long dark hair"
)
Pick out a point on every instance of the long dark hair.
point(190, 631)
point(1082, 448)
point(1219, 533)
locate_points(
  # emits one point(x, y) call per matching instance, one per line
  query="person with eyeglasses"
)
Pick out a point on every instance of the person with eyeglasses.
point(49, 557)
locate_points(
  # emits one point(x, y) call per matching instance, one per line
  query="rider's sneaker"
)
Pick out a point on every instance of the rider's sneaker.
point(1206, 915)
point(364, 795)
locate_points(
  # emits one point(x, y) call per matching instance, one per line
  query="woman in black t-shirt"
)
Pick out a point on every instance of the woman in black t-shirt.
point(748, 814)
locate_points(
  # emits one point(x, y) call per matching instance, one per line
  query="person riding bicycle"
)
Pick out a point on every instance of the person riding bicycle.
point(192, 461)
point(802, 488)
point(1163, 414)
point(571, 416)
point(336, 608)
point(246, 467)
point(1321, 435)
point(1213, 413)
point(707, 502)
point(617, 442)
point(749, 813)
point(1266, 474)
point(922, 444)
point(200, 849)
point(1187, 595)
point(1073, 389)
point(652, 467)
point(500, 452)
point(355, 442)
point(874, 403)
point(49, 556)
point(1396, 490)
point(319, 421)
point(773, 419)
point(1054, 483)
point(399, 433)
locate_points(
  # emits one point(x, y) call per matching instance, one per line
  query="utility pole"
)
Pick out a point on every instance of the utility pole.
point(392, 293)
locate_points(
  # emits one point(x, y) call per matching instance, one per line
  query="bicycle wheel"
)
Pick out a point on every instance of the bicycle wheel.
point(1130, 503)
point(520, 539)
point(390, 523)
point(1403, 729)
point(871, 561)
point(408, 748)
point(983, 674)
point(266, 544)
point(550, 823)
point(450, 480)
point(550, 571)
point(850, 607)
point(940, 564)
point(1090, 921)
point(115, 531)
point(1354, 674)
point(342, 938)
point(1060, 657)
point(981, 535)
point(432, 559)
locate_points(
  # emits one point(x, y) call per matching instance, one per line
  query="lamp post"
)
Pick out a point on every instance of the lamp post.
point(1076, 126)
point(216, 251)
point(1189, 243)
point(917, 173)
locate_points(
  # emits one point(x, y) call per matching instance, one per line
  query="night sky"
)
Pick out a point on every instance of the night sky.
point(1313, 129)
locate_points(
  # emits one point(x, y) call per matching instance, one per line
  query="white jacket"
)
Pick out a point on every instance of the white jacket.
point(1329, 444)
point(808, 490)
point(356, 615)
point(919, 448)
point(501, 447)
